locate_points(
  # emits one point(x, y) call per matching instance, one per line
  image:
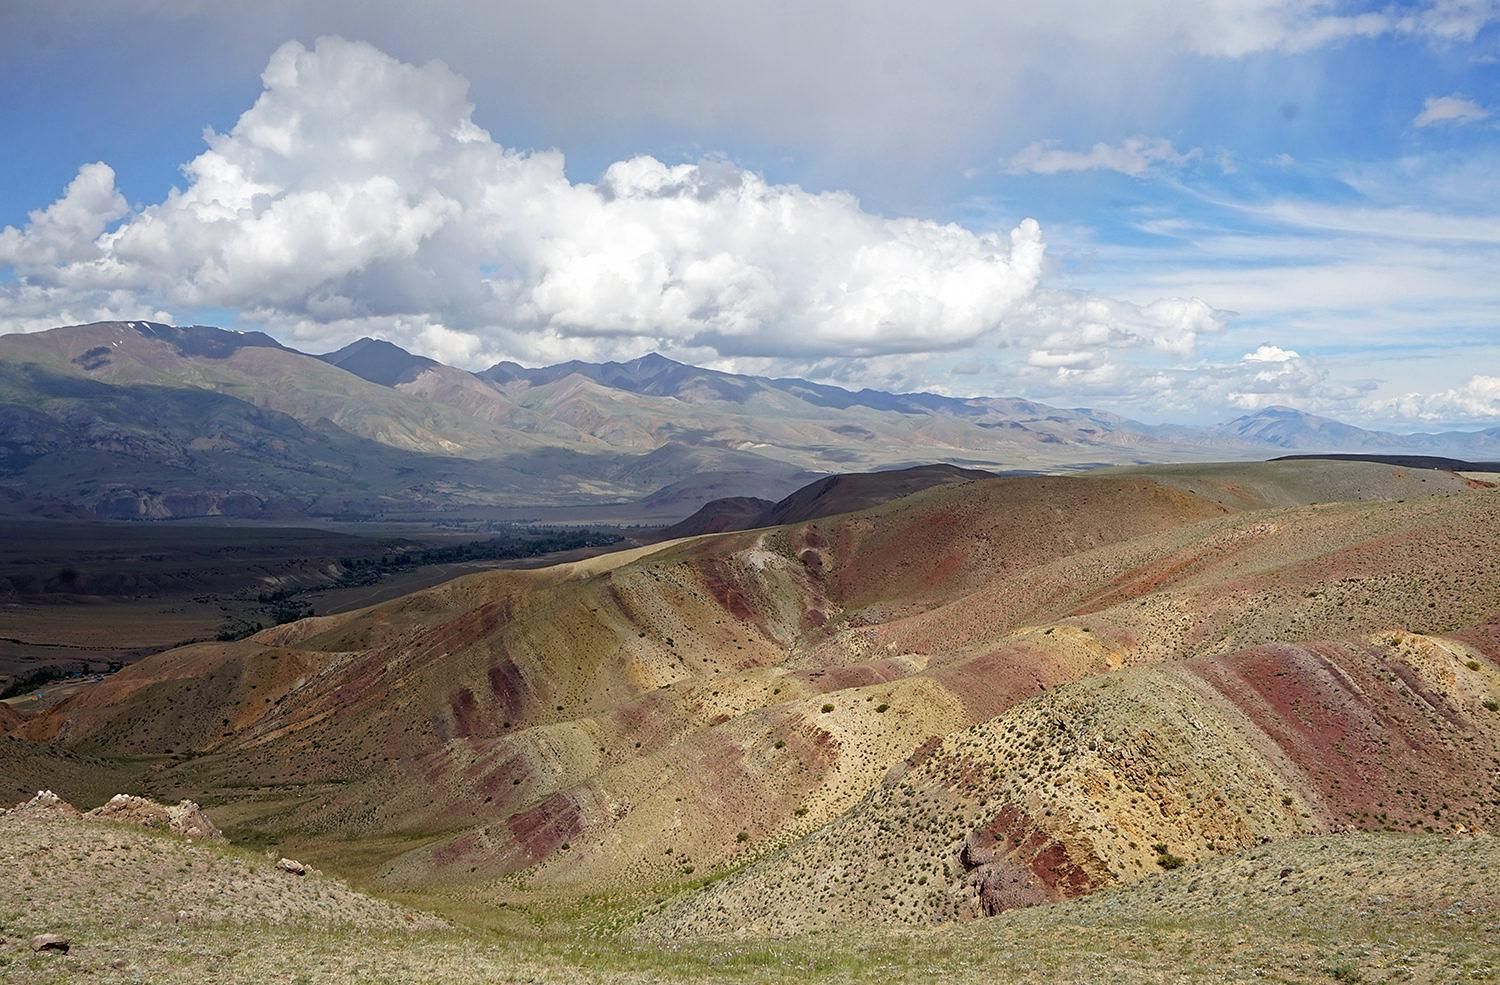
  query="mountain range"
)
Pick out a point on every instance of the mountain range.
point(138, 419)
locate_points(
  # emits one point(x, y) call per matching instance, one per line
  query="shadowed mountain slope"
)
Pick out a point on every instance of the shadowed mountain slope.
point(835, 494)
point(721, 515)
point(379, 361)
point(1405, 461)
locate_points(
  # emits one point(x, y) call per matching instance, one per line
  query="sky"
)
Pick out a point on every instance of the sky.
point(1179, 210)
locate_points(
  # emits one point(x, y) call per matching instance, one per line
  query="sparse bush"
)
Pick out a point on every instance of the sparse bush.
point(1492, 704)
point(742, 837)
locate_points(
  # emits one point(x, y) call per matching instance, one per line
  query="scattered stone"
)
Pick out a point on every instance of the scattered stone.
point(293, 866)
point(51, 942)
point(118, 964)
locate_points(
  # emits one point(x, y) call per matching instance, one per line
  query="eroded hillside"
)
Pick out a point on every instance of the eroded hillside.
point(1108, 779)
point(650, 718)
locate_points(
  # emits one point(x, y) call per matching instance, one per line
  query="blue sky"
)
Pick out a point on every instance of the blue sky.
point(1237, 203)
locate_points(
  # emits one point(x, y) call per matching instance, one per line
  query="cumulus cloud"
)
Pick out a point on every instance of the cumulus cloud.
point(1086, 346)
point(1271, 375)
point(358, 191)
point(67, 230)
point(1062, 322)
point(1135, 156)
point(1454, 110)
point(1267, 353)
point(1477, 400)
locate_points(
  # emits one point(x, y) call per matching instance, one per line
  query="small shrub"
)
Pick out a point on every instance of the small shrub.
point(882, 708)
point(742, 837)
point(827, 709)
point(1169, 861)
point(1492, 704)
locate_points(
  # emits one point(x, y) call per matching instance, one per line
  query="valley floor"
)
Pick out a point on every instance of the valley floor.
point(141, 906)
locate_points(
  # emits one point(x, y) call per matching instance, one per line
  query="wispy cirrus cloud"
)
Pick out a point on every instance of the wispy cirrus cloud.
point(1134, 156)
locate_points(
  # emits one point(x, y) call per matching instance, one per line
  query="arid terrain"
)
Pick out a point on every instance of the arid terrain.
point(750, 493)
point(141, 905)
point(1135, 697)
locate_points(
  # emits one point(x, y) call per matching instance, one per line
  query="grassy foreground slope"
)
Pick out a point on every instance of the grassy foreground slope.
point(146, 906)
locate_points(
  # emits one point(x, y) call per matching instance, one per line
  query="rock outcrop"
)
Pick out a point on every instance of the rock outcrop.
point(45, 804)
point(185, 818)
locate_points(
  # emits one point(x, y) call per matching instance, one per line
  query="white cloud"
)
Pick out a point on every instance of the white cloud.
point(1135, 156)
point(1270, 354)
point(1057, 321)
point(1454, 110)
point(357, 191)
point(1270, 375)
point(66, 231)
point(1478, 400)
point(1046, 359)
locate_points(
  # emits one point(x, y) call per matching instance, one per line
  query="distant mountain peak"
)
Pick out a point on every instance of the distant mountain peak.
point(379, 361)
point(1279, 410)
